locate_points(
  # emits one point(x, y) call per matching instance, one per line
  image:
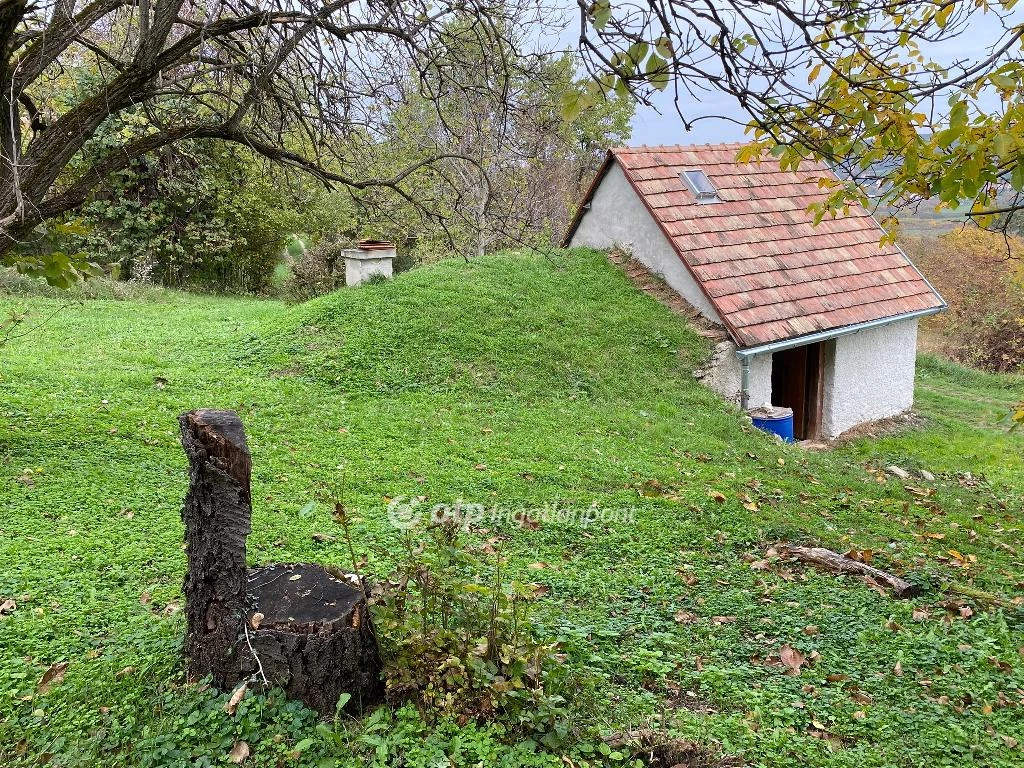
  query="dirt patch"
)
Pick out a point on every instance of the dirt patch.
point(677, 697)
point(287, 373)
point(659, 750)
point(893, 425)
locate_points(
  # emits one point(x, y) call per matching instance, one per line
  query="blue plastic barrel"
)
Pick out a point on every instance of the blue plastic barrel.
point(774, 419)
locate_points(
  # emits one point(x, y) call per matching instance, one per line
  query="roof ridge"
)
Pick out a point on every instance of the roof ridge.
point(679, 147)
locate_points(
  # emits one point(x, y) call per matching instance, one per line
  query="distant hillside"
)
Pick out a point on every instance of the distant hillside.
point(918, 220)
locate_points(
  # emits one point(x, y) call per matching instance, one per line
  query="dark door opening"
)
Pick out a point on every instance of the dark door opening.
point(797, 383)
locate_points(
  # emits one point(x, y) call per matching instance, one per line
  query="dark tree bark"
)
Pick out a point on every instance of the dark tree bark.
point(294, 626)
point(315, 638)
point(216, 514)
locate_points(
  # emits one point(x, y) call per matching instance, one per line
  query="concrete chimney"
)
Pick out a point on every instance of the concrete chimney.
point(371, 257)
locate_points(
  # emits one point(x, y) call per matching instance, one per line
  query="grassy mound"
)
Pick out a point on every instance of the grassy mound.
point(564, 325)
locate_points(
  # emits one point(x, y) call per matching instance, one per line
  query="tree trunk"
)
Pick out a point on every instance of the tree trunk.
point(293, 626)
point(314, 637)
point(217, 515)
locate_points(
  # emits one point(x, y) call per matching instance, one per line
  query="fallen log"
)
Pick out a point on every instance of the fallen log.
point(295, 626)
point(837, 563)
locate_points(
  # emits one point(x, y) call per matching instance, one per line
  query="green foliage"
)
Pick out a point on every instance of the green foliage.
point(456, 638)
point(866, 105)
point(13, 284)
point(566, 394)
point(201, 214)
point(56, 266)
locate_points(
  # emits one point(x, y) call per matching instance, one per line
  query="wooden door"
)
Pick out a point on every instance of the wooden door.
point(797, 383)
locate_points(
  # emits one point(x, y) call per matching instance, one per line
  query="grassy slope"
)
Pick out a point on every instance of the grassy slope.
point(568, 386)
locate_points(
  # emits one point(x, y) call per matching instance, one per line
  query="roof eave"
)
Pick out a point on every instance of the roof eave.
point(833, 333)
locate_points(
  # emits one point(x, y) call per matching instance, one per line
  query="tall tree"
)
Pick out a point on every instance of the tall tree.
point(529, 163)
point(296, 81)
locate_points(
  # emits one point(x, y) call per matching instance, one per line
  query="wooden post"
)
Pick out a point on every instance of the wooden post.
point(296, 626)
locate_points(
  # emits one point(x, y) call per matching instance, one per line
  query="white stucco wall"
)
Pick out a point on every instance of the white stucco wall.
point(869, 375)
point(360, 269)
point(724, 375)
point(617, 217)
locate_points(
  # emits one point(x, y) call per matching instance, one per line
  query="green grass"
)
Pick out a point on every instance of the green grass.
point(517, 381)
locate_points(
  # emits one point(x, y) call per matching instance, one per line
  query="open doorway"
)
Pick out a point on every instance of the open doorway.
point(798, 383)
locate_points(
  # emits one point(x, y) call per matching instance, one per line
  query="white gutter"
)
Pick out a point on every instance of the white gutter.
point(799, 341)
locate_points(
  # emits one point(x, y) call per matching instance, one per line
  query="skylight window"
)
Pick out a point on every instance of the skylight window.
point(700, 185)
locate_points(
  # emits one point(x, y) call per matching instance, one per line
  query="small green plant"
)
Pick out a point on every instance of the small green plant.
point(456, 637)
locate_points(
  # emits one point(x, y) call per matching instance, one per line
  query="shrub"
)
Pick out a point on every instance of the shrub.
point(456, 638)
point(978, 273)
point(12, 283)
point(314, 271)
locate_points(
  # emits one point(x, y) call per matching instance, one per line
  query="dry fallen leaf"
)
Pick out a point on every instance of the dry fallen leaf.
point(7, 606)
point(688, 578)
point(51, 677)
point(685, 617)
point(898, 669)
point(717, 496)
point(720, 620)
point(256, 620)
point(537, 566)
point(233, 702)
point(239, 753)
point(792, 658)
point(919, 614)
point(811, 629)
point(966, 612)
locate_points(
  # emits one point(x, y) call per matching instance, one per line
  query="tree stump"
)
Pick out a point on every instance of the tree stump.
point(294, 626)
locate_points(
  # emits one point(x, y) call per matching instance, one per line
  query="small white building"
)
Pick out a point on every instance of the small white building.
point(371, 258)
point(820, 318)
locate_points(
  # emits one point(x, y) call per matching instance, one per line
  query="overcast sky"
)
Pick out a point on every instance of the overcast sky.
point(650, 127)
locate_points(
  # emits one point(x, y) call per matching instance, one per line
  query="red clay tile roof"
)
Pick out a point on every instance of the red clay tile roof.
point(767, 269)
